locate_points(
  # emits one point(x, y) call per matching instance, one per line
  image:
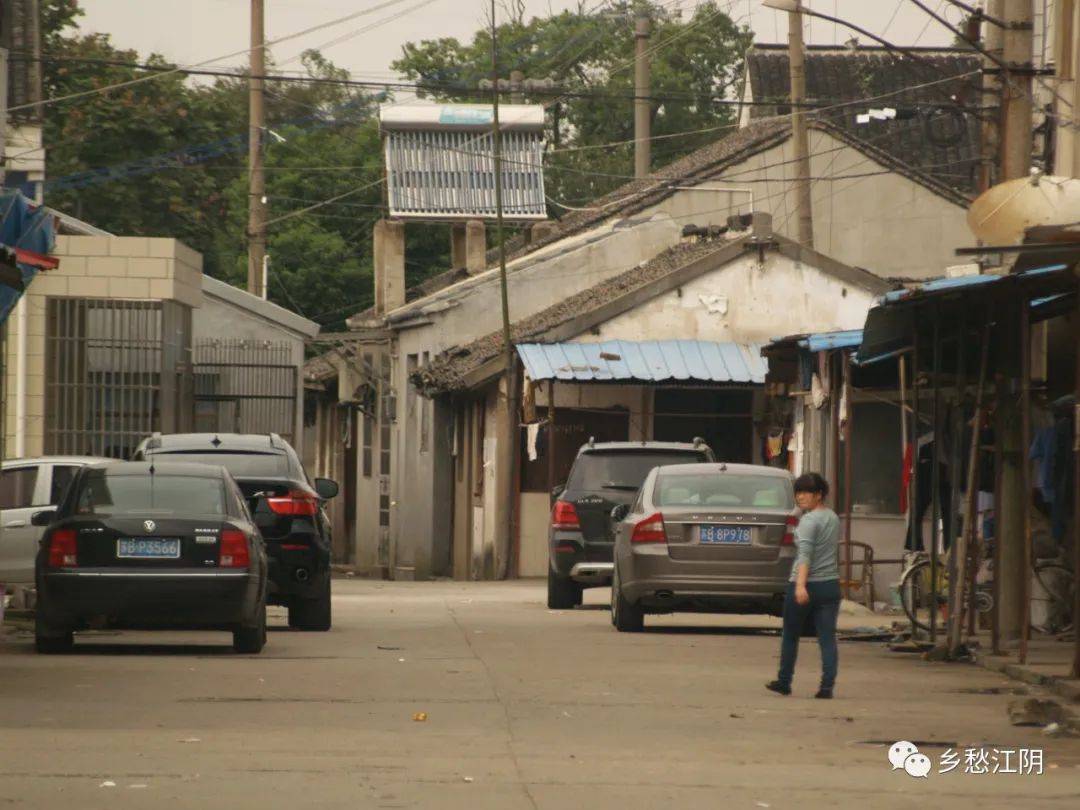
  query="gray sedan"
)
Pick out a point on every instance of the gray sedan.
point(704, 538)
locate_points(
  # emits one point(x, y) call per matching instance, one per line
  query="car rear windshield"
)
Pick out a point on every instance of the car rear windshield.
point(104, 494)
point(723, 489)
point(241, 465)
point(621, 470)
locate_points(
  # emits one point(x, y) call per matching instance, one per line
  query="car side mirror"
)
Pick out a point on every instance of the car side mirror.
point(558, 490)
point(43, 518)
point(326, 488)
point(619, 513)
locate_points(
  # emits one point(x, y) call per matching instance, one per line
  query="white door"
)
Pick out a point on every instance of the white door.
point(23, 491)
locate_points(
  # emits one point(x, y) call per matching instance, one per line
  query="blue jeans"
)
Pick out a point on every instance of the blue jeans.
point(825, 608)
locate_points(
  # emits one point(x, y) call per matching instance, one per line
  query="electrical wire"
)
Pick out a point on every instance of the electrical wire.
point(264, 45)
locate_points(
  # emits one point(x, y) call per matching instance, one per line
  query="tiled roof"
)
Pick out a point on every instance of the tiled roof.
point(836, 75)
point(448, 371)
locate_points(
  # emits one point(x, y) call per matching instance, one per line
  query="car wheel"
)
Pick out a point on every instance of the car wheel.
point(627, 617)
point(562, 593)
point(53, 644)
point(251, 640)
point(311, 614)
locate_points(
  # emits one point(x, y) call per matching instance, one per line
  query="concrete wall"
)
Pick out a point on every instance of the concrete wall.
point(92, 267)
point(879, 220)
point(217, 318)
point(746, 301)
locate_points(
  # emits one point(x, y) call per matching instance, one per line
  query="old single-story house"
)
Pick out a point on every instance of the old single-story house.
point(668, 350)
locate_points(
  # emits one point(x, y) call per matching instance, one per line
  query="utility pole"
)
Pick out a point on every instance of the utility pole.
point(517, 81)
point(509, 451)
point(642, 105)
point(1014, 570)
point(256, 180)
point(799, 137)
point(1017, 95)
point(992, 84)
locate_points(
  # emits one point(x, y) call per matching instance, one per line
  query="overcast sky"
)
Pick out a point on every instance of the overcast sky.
point(193, 31)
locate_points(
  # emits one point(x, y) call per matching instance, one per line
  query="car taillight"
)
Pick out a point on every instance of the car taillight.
point(564, 517)
point(233, 551)
point(295, 503)
point(650, 530)
point(62, 548)
point(789, 531)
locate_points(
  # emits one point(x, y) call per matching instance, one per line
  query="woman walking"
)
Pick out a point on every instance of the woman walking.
point(814, 588)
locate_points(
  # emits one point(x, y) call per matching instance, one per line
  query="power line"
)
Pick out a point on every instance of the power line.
point(265, 45)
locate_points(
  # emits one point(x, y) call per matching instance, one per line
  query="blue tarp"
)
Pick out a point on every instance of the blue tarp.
point(644, 361)
point(27, 227)
point(824, 341)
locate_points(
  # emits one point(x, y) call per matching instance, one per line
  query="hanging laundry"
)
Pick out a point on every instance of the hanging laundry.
point(532, 432)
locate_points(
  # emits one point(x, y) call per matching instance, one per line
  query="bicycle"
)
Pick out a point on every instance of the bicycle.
point(1055, 579)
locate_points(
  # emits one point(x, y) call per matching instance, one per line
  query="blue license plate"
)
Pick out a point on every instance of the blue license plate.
point(726, 535)
point(148, 548)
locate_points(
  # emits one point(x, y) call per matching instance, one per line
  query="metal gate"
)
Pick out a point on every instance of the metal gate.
point(245, 386)
point(116, 370)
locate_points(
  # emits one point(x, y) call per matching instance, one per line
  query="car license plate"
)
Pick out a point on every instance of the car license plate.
point(726, 535)
point(148, 548)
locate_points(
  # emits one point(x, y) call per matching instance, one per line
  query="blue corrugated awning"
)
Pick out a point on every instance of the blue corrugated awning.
point(891, 324)
point(645, 361)
point(941, 285)
point(824, 341)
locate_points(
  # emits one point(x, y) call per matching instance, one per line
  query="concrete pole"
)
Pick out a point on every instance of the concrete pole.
point(799, 137)
point(1017, 95)
point(517, 80)
point(256, 179)
point(508, 447)
point(1016, 145)
point(990, 137)
point(642, 104)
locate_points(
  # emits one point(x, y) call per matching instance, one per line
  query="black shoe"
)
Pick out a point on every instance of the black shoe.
point(824, 694)
point(779, 688)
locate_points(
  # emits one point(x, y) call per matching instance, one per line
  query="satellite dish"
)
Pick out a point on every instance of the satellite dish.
point(1000, 215)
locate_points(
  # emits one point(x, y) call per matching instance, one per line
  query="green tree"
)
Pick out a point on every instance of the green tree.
point(695, 62)
point(324, 143)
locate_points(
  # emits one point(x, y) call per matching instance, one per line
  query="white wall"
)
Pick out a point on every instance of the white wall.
point(878, 220)
point(746, 301)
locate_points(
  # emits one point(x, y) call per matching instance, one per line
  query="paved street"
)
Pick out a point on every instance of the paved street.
point(525, 708)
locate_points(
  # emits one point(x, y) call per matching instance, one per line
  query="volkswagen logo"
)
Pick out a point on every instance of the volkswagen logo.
point(149, 525)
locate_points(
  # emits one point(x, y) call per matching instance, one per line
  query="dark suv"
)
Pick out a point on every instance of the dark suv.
point(581, 536)
point(285, 504)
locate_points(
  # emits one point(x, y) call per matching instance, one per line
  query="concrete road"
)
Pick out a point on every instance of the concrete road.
point(525, 708)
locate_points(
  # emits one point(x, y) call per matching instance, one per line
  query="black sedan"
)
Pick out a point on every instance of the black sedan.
point(151, 546)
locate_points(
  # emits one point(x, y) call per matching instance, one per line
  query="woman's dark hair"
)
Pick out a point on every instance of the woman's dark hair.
point(812, 482)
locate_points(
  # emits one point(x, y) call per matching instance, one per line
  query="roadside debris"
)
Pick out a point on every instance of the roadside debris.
point(420, 717)
point(1036, 712)
point(107, 783)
